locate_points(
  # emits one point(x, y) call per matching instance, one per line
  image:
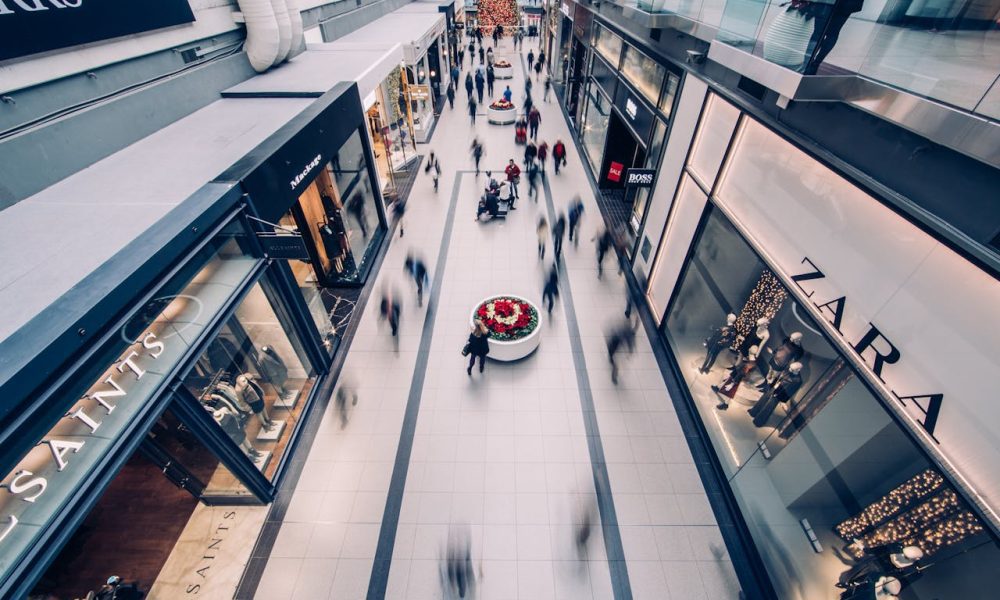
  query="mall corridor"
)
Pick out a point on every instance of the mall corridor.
point(518, 456)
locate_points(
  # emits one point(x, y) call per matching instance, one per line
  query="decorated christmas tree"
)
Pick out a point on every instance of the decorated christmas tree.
point(497, 12)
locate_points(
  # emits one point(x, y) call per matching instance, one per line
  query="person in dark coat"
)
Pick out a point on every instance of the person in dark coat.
point(451, 96)
point(472, 111)
point(534, 119)
point(479, 346)
point(605, 241)
point(468, 84)
point(530, 152)
point(575, 216)
point(558, 232)
point(389, 311)
point(477, 152)
point(480, 84)
point(551, 289)
point(531, 58)
point(418, 271)
point(490, 78)
point(623, 337)
point(559, 154)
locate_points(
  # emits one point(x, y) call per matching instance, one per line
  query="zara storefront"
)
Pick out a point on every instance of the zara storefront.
point(143, 439)
point(840, 359)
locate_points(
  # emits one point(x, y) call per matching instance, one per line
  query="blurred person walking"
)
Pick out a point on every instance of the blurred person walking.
point(478, 346)
point(558, 232)
point(542, 231)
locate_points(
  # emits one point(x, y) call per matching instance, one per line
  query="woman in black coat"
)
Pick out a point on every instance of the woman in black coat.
point(479, 346)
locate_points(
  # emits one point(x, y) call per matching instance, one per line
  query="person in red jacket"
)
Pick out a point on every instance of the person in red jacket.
point(513, 176)
point(559, 154)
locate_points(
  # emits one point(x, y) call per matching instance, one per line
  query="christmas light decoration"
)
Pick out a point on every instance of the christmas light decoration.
point(765, 301)
point(924, 512)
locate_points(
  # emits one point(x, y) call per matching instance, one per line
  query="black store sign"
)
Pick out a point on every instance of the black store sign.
point(634, 112)
point(640, 178)
point(32, 26)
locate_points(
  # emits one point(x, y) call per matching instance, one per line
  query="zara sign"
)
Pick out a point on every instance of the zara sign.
point(33, 26)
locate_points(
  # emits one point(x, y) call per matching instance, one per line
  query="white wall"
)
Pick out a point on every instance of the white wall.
point(685, 120)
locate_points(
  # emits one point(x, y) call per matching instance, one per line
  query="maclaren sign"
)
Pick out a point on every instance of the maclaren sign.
point(34, 491)
point(33, 26)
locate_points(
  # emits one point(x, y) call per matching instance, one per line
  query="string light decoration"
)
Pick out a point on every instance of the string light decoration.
point(765, 300)
point(924, 512)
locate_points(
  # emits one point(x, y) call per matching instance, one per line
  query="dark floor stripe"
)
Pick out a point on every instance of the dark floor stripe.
point(620, 584)
point(394, 501)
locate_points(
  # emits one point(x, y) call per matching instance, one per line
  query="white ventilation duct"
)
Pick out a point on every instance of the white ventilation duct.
point(284, 30)
point(295, 16)
point(263, 37)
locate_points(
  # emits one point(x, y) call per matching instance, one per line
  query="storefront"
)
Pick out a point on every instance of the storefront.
point(425, 59)
point(626, 115)
point(153, 408)
point(838, 358)
point(576, 61)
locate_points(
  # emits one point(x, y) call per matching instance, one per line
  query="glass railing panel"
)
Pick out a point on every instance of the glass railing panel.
point(946, 50)
point(740, 22)
point(711, 12)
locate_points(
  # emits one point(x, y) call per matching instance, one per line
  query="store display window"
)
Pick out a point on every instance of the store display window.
point(669, 94)
point(338, 215)
point(129, 374)
point(608, 45)
point(254, 379)
point(718, 121)
point(595, 126)
point(840, 500)
point(138, 530)
point(644, 73)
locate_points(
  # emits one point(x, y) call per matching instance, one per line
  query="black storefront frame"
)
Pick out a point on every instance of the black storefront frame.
point(21, 578)
point(275, 173)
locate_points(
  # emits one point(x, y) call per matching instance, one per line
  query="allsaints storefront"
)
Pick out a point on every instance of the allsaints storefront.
point(840, 360)
point(149, 456)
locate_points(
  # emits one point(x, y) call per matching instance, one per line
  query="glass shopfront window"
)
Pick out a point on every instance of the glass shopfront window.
point(669, 94)
point(608, 45)
point(254, 378)
point(840, 500)
point(644, 73)
point(338, 215)
point(595, 126)
point(129, 374)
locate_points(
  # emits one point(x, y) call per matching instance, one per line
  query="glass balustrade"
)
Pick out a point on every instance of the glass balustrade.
point(947, 50)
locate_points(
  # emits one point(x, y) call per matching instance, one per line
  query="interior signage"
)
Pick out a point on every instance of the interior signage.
point(564, 9)
point(37, 471)
point(294, 183)
point(630, 108)
point(640, 177)
point(871, 345)
point(32, 26)
point(615, 171)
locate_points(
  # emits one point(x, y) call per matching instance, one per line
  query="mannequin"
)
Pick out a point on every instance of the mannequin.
point(254, 400)
point(230, 424)
point(274, 371)
point(788, 352)
point(782, 390)
point(718, 341)
point(758, 337)
point(744, 366)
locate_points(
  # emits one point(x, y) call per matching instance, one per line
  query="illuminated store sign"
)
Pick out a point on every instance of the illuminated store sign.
point(39, 484)
point(872, 346)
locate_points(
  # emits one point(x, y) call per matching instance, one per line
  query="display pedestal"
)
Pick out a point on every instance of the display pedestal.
point(288, 400)
point(501, 117)
point(503, 72)
point(271, 434)
point(261, 460)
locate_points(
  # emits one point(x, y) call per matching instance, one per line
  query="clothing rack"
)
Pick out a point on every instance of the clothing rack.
point(207, 392)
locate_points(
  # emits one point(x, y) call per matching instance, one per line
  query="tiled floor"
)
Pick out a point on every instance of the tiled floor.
point(505, 454)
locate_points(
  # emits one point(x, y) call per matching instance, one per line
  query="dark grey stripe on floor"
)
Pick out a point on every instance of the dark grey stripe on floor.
point(394, 501)
point(620, 584)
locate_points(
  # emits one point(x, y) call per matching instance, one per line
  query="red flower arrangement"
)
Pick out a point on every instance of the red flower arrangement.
point(508, 319)
point(501, 64)
point(502, 104)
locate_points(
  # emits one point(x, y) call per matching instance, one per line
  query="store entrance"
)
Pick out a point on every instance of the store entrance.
point(575, 82)
point(145, 528)
point(621, 152)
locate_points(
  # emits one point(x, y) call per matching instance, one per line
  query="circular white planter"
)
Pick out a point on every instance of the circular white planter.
point(503, 72)
point(515, 349)
point(501, 117)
